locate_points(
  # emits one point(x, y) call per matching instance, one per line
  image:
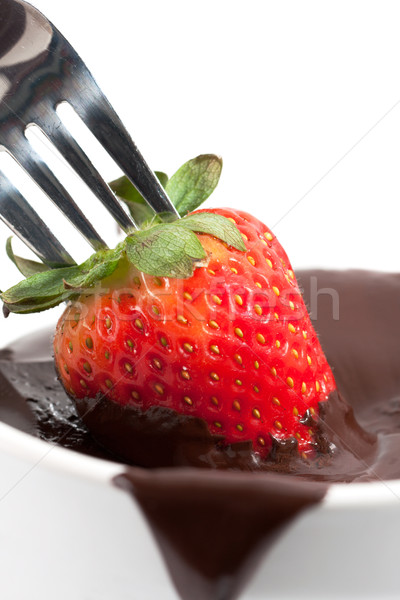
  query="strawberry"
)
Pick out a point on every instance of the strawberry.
point(215, 330)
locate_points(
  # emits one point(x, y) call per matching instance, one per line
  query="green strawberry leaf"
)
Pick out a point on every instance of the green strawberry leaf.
point(126, 191)
point(187, 189)
point(26, 266)
point(51, 287)
point(36, 306)
point(173, 249)
point(97, 268)
point(193, 183)
point(216, 225)
point(40, 289)
point(165, 251)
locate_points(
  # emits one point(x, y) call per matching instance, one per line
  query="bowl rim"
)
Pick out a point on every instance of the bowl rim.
point(37, 453)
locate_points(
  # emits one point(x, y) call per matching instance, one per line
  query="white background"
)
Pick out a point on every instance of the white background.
point(300, 98)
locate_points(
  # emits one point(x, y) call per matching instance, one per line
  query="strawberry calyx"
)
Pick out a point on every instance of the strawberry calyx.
point(188, 188)
point(160, 248)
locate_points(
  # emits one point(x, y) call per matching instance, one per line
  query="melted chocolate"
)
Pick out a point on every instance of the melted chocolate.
point(213, 526)
point(160, 437)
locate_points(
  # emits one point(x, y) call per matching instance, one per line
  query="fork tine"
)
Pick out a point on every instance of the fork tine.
point(20, 217)
point(99, 116)
point(22, 151)
point(58, 134)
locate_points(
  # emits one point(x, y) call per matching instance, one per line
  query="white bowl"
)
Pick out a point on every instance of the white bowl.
point(68, 532)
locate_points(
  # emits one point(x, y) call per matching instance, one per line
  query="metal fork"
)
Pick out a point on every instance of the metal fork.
point(39, 69)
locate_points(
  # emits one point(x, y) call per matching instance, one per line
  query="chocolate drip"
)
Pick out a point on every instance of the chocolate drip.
point(213, 530)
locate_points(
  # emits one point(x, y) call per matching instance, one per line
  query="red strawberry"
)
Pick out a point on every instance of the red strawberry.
point(228, 341)
point(232, 345)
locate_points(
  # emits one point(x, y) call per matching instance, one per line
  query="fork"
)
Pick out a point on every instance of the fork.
point(39, 69)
